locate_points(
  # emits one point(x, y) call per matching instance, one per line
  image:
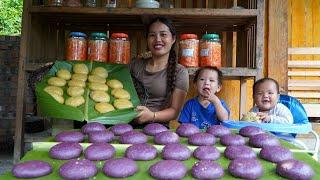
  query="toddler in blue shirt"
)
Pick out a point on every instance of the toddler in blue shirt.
point(206, 109)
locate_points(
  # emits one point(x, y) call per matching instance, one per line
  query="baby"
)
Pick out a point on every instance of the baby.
point(206, 109)
point(266, 96)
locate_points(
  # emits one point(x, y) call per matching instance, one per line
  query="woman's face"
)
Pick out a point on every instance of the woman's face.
point(160, 39)
point(266, 95)
point(207, 82)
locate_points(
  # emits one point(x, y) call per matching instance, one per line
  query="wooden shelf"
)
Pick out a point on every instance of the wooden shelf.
point(136, 18)
point(232, 73)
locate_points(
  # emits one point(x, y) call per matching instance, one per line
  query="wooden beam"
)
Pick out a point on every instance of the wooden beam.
point(304, 64)
point(306, 95)
point(261, 5)
point(304, 73)
point(310, 50)
point(310, 83)
point(278, 42)
point(312, 110)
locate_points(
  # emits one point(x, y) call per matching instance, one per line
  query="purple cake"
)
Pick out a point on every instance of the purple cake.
point(141, 152)
point(154, 128)
point(69, 136)
point(294, 169)
point(206, 153)
point(120, 168)
point(218, 130)
point(78, 169)
point(239, 151)
point(249, 131)
point(232, 139)
point(177, 152)
point(65, 151)
point(168, 169)
point(246, 168)
point(92, 127)
point(120, 129)
point(207, 170)
point(31, 169)
point(187, 129)
point(99, 151)
point(133, 137)
point(262, 140)
point(201, 139)
point(101, 136)
point(166, 137)
point(275, 154)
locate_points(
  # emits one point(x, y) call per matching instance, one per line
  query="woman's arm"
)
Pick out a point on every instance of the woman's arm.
point(170, 113)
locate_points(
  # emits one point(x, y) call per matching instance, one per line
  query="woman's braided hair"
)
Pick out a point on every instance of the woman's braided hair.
point(172, 61)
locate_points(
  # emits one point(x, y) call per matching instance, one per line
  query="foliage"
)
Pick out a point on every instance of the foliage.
point(10, 17)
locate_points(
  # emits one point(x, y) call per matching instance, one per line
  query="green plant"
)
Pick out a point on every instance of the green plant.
point(10, 17)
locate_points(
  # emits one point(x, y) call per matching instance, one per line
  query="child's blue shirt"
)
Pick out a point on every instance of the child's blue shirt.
point(193, 112)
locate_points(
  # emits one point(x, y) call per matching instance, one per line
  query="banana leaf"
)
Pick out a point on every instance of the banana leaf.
point(41, 149)
point(86, 112)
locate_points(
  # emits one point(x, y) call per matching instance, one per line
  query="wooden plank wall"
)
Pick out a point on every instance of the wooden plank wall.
point(304, 31)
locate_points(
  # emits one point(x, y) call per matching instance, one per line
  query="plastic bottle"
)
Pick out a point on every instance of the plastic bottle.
point(189, 50)
point(98, 47)
point(119, 48)
point(76, 48)
point(210, 50)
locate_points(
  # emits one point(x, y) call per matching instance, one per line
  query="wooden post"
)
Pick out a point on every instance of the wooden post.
point(260, 39)
point(23, 56)
point(278, 42)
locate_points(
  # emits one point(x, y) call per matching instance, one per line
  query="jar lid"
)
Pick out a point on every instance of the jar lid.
point(210, 36)
point(119, 35)
point(98, 35)
point(188, 36)
point(78, 34)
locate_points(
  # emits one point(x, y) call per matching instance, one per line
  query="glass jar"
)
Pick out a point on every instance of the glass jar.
point(91, 3)
point(110, 3)
point(73, 3)
point(189, 50)
point(119, 48)
point(55, 2)
point(76, 48)
point(98, 47)
point(210, 50)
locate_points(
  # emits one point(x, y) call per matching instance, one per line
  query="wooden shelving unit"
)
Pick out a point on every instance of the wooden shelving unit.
point(44, 30)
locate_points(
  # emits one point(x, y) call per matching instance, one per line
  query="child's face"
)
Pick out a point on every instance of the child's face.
point(207, 82)
point(266, 95)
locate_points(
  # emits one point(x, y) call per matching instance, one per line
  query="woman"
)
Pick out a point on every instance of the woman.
point(161, 83)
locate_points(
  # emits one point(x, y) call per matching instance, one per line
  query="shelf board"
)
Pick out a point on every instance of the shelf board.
point(136, 18)
point(232, 72)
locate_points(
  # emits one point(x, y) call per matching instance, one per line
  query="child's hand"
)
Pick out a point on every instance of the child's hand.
point(210, 96)
point(264, 117)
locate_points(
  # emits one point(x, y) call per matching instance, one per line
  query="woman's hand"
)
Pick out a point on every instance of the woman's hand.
point(144, 115)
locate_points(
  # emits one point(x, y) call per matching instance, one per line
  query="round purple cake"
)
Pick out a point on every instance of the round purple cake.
point(154, 128)
point(168, 169)
point(206, 153)
point(92, 127)
point(101, 136)
point(201, 139)
point(218, 130)
point(239, 151)
point(65, 150)
point(99, 151)
point(207, 170)
point(249, 131)
point(294, 169)
point(69, 136)
point(177, 152)
point(31, 169)
point(141, 152)
point(166, 137)
point(78, 169)
point(275, 154)
point(187, 129)
point(120, 168)
point(246, 168)
point(262, 140)
point(133, 137)
point(232, 139)
point(120, 129)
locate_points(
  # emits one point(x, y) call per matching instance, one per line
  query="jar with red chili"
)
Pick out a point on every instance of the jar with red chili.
point(98, 47)
point(189, 50)
point(119, 48)
point(210, 50)
point(76, 48)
